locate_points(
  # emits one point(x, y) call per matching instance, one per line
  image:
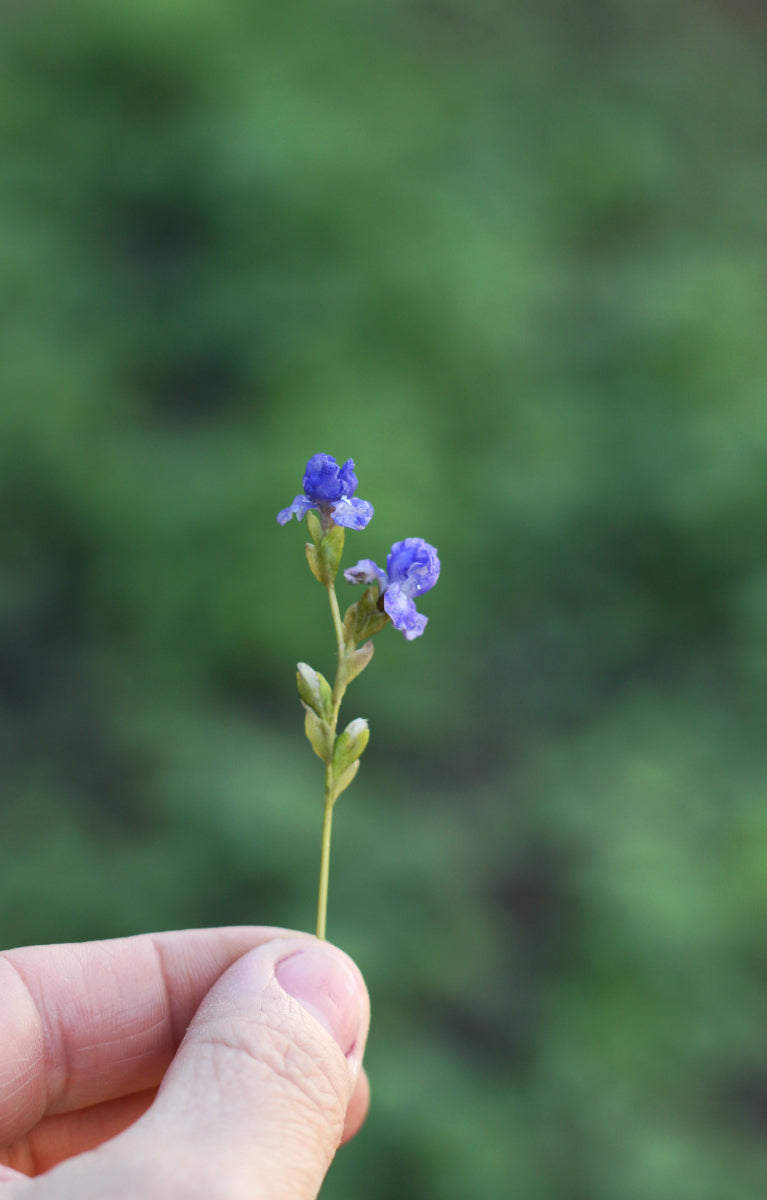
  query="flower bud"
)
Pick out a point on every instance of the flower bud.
point(350, 744)
point(314, 690)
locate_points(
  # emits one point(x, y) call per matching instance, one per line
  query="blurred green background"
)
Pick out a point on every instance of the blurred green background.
point(512, 259)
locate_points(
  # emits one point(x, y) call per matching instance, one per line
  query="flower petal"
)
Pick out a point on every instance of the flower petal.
point(322, 482)
point(365, 571)
point(351, 512)
point(348, 478)
point(403, 612)
point(298, 508)
point(414, 564)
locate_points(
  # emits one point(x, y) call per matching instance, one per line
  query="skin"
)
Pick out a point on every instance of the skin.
point(216, 1063)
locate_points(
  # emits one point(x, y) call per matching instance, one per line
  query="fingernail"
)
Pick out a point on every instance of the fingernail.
point(326, 985)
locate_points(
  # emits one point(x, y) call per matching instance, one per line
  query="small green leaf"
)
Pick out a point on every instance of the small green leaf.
point(314, 527)
point(357, 661)
point(318, 733)
point(324, 551)
point(331, 548)
point(344, 779)
point(314, 690)
point(350, 625)
point(313, 559)
point(364, 619)
point(349, 745)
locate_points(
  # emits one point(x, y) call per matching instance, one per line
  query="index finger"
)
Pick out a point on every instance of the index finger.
point(86, 1022)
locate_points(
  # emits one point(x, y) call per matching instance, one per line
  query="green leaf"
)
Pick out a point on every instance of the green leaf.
point(314, 527)
point(314, 690)
point(357, 661)
point(364, 619)
point(318, 733)
point(344, 779)
point(324, 551)
point(331, 549)
point(313, 559)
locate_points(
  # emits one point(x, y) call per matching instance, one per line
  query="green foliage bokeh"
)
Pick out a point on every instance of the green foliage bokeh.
point(512, 259)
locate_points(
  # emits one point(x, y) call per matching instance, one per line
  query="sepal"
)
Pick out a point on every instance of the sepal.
point(313, 547)
point(364, 619)
point(323, 552)
point(314, 690)
point(313, 559)
point(314, 527)
point(318, 733)
point(330, 550)
point(349, 745)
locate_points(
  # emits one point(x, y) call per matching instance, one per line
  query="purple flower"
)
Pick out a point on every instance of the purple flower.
point(330, 489)
point(412, 568)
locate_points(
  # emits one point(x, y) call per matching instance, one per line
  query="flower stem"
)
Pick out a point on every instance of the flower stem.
point(339, 687)
point(337, 625)
point(322, 900)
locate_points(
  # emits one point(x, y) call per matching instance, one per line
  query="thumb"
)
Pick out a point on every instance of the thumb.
point(255, 1099)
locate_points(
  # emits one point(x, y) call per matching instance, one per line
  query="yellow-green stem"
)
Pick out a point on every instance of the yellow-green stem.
point(337, 625)
point(322, 901)
point(339, 687)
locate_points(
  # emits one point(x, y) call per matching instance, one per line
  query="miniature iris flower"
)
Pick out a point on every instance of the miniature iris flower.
point(330, 489)
point(412, 568)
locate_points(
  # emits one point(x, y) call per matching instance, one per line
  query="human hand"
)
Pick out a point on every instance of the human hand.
point(107, 1090)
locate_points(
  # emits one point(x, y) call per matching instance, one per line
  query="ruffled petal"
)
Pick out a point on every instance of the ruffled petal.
point(351, 512)
point(322, 479)
point(403, 612)
point(414, 564)
point(348, 478)
point(365, 571)
point(298, 508)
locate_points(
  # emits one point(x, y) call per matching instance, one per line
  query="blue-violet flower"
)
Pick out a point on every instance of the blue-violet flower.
point(330, 489)
point(412, 568)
